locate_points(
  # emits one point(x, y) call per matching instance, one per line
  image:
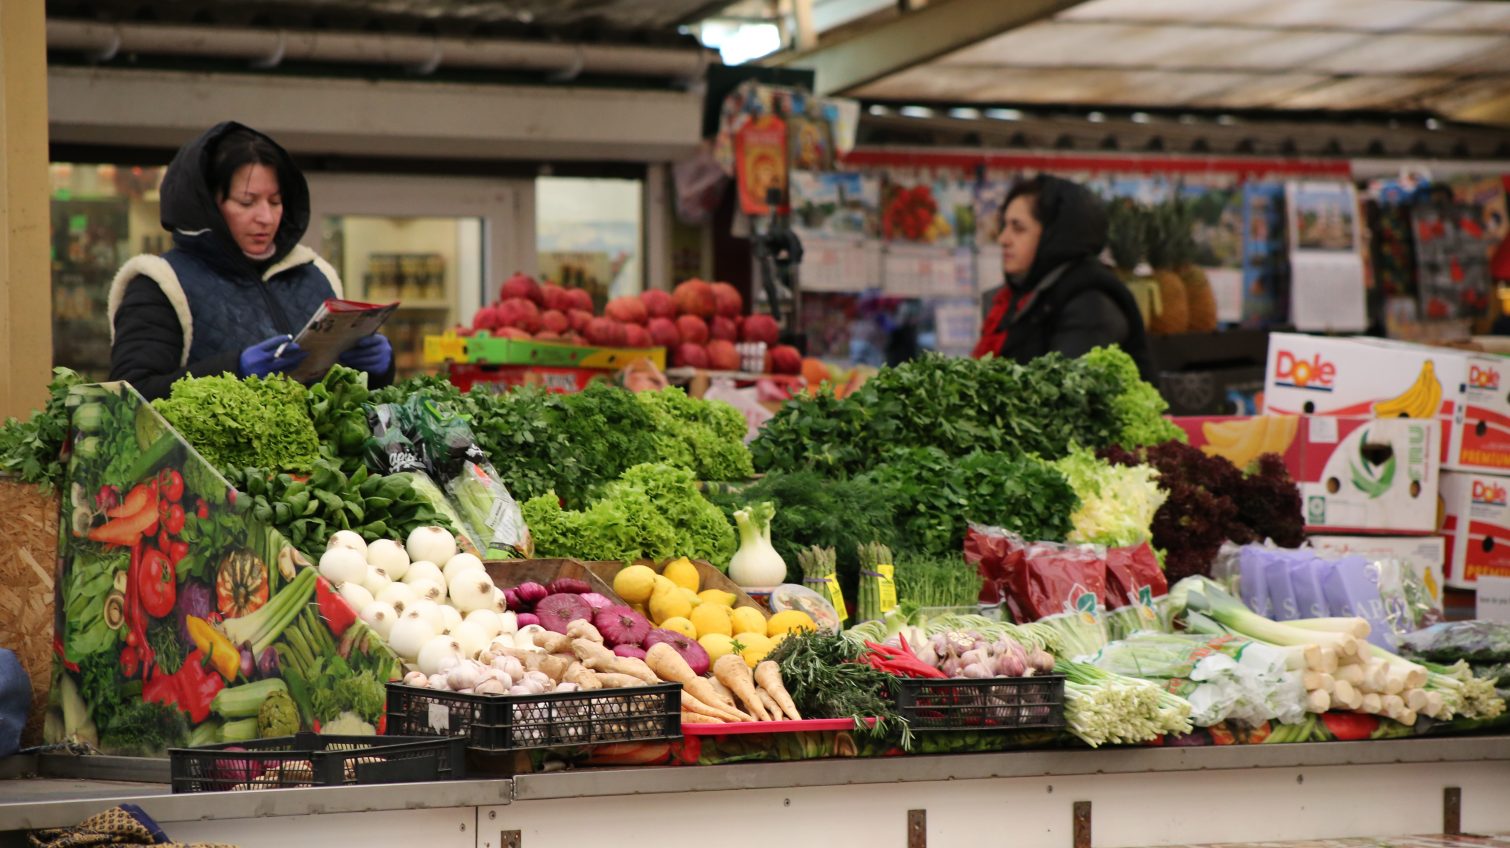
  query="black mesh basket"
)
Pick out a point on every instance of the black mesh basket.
point(313, 759)
point(498, 723)
point(997, 703)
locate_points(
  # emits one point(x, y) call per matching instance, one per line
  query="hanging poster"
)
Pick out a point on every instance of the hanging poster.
point(760, 163)
point(1326, 265)
point(1266, 269)
point(1456, 231)
point(833, 204)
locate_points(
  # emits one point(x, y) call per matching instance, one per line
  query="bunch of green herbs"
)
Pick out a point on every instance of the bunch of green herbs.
point(233, 423)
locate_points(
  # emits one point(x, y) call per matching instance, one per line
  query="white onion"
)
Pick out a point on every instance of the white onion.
point(423, 569)
point(348, 539)
point(500, 603)
point(397, 595)
point(433, 544)
point(381, 617)
point(449, 618)
point(426, 611)
point(508, 622)
point(492, 622)
point(377, 580)
point(471, 590)
point(341, 565)
point(356, 595)
point(429, 590)
point(439, 654)
point(472, 638)
point(459, 563)
point(408, 635)
point(525, 638)
point(389, 556)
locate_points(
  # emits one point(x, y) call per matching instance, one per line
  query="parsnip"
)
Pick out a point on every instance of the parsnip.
point(692, 703)
point(669, 665)
point(772, 708)
point(726, 697)
point(768, 675)
point(732, 671)
point(689, 717)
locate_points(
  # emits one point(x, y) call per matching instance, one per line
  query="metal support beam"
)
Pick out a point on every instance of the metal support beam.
point(902, 42)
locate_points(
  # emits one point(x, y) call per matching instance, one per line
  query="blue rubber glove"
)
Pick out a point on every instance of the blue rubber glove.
point(372, 354)
point(262, 359)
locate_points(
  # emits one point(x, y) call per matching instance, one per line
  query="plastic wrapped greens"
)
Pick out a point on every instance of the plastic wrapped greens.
point(1225, 678)
point(423, 437)
point(1448, 642)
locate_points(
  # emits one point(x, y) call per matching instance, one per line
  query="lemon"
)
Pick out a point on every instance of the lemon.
point(748, 620)
point(683, 573)
point(664, 605)
point(788, 621)
point(690, 595)
point(712, 618)
point(717, 596)
point(635, 583)
point(753, 647)
point(717, 645)
point(679, 624)
point(662, 584)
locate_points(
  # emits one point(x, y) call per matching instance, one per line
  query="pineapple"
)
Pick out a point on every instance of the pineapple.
point(1125, 236)
point(1199, 297)
point(1174, 313)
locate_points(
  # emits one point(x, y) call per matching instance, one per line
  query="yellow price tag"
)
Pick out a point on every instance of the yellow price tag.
point(888, 587)
point(836, 596)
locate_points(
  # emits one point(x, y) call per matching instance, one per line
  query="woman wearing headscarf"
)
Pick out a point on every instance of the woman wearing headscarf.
point(1058, 296)
point(237, 284)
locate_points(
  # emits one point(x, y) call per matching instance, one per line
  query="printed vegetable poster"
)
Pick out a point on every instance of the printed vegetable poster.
point(760, 163)
point(929, 210)
point(182, 618)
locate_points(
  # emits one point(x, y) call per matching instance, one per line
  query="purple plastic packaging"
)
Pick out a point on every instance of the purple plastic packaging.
point(1307, 574)
point(1352, 588)
point(1252, 563)
point(1277, 577)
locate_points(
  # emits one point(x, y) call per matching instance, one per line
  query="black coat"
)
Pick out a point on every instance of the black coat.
point(148, 346)
point(1068, 302)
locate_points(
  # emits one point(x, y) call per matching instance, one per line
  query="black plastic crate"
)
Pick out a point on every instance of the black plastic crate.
point(313, 759)
point(497, 723)
point(996, 703)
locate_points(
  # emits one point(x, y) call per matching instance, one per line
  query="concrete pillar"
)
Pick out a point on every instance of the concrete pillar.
point(25, 267)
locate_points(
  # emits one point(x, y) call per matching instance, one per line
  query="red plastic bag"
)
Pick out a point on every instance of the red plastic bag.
point(1133, 576)
point(1057, 579)
point(998, 555)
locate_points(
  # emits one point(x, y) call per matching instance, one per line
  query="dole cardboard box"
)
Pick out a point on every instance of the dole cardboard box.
point(1426, 555)
point(1356, 474)
point(1465, 390)
point(1476, 524)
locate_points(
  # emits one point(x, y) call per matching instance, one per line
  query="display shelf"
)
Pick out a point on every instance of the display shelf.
point(1407, 774)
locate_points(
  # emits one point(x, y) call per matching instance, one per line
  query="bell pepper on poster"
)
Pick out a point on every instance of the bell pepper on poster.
point(760, 162)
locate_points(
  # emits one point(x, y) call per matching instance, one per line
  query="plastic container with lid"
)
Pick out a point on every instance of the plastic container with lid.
point(790, 596)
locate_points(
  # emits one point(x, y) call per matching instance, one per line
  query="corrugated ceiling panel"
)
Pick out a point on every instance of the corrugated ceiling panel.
point(1387, 54)
point(1164, 10)
point(1260, 91)
point(1068, 45)
point(1365, 93)
point(1469, 17)
point(1056, 85)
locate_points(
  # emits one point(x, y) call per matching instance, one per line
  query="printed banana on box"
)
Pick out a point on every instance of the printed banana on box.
point(1464, 390)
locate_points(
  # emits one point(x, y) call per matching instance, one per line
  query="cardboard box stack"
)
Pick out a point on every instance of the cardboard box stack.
point(1465, 394)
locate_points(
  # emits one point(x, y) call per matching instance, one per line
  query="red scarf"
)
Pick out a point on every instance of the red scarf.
point(993, 331)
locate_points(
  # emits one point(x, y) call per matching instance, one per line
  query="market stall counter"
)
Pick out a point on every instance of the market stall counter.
point(1282, 792)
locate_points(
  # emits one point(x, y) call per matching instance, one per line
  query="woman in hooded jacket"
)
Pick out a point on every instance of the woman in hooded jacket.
point(1059, 297)
point(237, 284)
